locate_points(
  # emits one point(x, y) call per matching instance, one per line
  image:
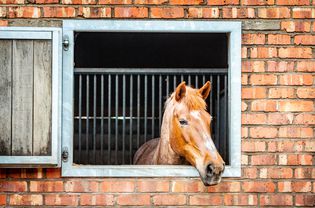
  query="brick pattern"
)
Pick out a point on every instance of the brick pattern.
point(278, 118)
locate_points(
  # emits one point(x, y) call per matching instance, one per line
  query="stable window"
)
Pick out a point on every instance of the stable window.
point(117, 76)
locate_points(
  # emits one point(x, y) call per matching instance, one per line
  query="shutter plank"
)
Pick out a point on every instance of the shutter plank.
point(5, 96)
point(42, 98)
point(22, 101)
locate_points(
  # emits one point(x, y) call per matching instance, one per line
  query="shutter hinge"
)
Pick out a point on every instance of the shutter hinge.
point(65, 154)
point(65, 42)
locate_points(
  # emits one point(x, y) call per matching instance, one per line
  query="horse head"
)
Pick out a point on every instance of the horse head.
point(190, 133)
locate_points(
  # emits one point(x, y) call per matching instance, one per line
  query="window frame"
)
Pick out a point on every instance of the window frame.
point(41, 33)
point(234, 82)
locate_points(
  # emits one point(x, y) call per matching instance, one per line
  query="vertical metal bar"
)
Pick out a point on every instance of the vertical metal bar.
point(217, 132)
point(87, 118)
point(174, 82)
point(138, 111)
point(116, 119)
point(145, 106)
point(167, 86)
point(102, 118)
point(203, 79)
point(160, 102)
point(131, 127)
point(189, 79)
point(124, 119)
point(181, 77)
point(211, 98)
point(196, 81)
point(80, 117)
point(109, 119)
point(226, 117)
point(153, 108)
point(94, 119)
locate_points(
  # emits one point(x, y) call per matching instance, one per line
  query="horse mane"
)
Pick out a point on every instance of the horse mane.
point(192, 100)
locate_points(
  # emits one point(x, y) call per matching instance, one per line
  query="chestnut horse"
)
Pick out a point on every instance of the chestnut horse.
point(185, 136)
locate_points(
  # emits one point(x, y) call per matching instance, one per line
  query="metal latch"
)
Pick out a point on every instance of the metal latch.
point(65, 154)
point(65, 42)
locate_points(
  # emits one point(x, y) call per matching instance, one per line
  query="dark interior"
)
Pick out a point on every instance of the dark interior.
point(150, 50)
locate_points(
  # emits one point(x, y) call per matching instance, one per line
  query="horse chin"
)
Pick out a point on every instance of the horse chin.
point(211, 181)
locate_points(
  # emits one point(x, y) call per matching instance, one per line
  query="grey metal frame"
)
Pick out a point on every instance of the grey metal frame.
point(234, 83)
point(42, 33)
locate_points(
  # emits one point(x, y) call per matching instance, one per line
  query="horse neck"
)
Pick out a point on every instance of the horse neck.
point(164, 154)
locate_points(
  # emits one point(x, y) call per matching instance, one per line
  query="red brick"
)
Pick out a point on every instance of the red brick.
point(281, 66)
point(295, 52)
point(302, 172)
point(263, 52)
point(223, 2)
point(258, 186)
point(65, 12)
point(53, 173)
point(280, 172)
point(280, 119)
point(304, 118)
point(263, 160)
point(61, 200)
point(257, 2)
point(306, 92)
point(302, 186)
point(133, 199)
point(169, 199)
point(276, 200)
point(206, 199)
point(253, 146)
point(296, 79)
point(96, 199)
point(81, 186)
point(238, 13)
point(279, 12)
point(203, 13)
point(304, 39)
point(285, 186)
point(226, 186)
point(117, 186)
point(167, 12)
point(130, 12)
point(3, 199)
point(271, 146)
point(244, 52)
point(3, 22)
point(264, 105)
point(240, 199)
point(244, 106)
point(309, 146)
point(153, 186)
point(302, 13)
point(305, 66)
point(293, 2)
point(18, 199)
point(281, 93)
point(46, 186)
point(296, 26)
point(253, 66)
point(185, 2)
point(305, 200)
point(263, 132)
point(295, 132)
point(290, 146)
point(24, 12)
point(263, 79)
point(253, 39)
point(295, 105)
point(257, 118)
point(94, 12)
point(187, 186)
point(118, 2)
point(249, 172)
point(157, 2)
point(46, 1)
point(11, 1)
point(13, 186)
point(279, 39)
point(244, 132)
point(253, 93)
point(244, 79)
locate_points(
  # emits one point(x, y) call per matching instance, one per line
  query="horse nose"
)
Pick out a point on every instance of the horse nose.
point(215, 170)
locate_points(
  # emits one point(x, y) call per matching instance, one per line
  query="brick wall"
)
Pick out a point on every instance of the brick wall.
point(278, 116)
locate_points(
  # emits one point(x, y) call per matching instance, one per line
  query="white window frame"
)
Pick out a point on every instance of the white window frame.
point(69, 169)
point(41, 33)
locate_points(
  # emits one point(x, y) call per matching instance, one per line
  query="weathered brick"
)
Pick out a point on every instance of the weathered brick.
point(295, 52)
point(254, 118)
point(306, 92)
point(305, 66)
point(244, 106)
point(167, 12)
point(304, 118)
point(23, 12)
point(240, 199)
point(280, 66)
point(276, 200)
point(238, 13)
point(124, 1)
point(169, 199)
point(187, 186)
point(304, 39)
point(253, 38)
point(133, 199)
point(3, 199)
point(279, 39)
point(295, 105)
point(279, 172)
point(279, 118)
point(253, 66)
point(206, 199)
point(257, 2)
point(263, 52)
point(244, 79)
point(223, 2)
point(296, 79)
point(61, 200)
point(253, 93)
point(264, 105)
point(33, 200)
point(53, 173)
point(263, 160)
point(226, 186)
point(278, 12)
point(263, 79)
point(249, 172)
point(281, 93)
point(46, 186)
point(263, 132)
point(203, 12)
point(305, 200)
point(150, 1)
point(302, 172)
point(130, 12)
point(293, 2)
point(296, 132)
point(302, 13)
point(153, 186)
point(81, 186)
point(94, 12)
point(75, 1)
point(261, 25)
point(185, 2)
point(65, 12)
point(13, 186)
point(258, 186)
point(3, 22)
point(285, 186)
point(117, 186)
point(253, 146)
point(96, 199)
point(296, 26)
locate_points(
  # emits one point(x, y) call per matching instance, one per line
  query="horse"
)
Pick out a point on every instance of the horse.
point(185, 136)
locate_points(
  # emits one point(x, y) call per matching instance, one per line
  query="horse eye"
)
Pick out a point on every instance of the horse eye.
point(183, 122)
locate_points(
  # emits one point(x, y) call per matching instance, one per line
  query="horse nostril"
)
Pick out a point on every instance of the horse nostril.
point(210, 170)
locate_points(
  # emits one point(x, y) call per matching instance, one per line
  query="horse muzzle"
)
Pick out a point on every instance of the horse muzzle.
point(213, 174)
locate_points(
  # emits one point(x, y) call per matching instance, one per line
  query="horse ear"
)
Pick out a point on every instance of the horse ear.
point(205, 90)
point(180, 91)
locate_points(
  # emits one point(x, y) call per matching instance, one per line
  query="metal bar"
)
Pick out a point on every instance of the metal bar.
point(167, 86)
point(153, 108)
point(80, 115)
point(94, 119)
point(211, 94)
point(174, 82)
point(181, 77)
point(109, 120)
point(203, 79)
point(217, 132)
point(102, 118)
point(138, 111)
point(189, 80)
point(124, 120)
point(116, 120)
point(196, 81)
point(147, 71)
point(160, 102)
point(130, 115)
point(145, 107)
point(87, 120)
point(225, 146)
